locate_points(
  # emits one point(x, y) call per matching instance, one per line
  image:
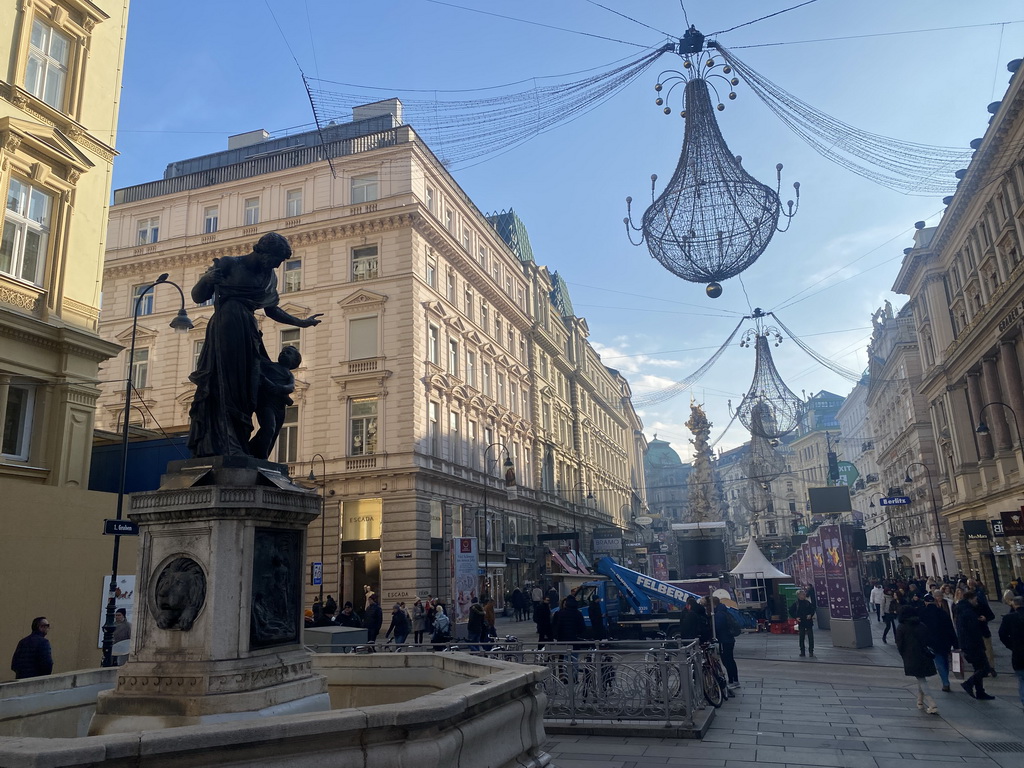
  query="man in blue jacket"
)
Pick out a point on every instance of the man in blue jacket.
point(33, 656)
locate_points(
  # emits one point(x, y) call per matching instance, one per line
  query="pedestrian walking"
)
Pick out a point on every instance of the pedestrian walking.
point(803, 612)
point(941, 634)
point(536, 595)
point(969, 629)
point(419, 621)
point(569, 623)
point(33, 656)
point(1011, 634)
point(726, 629)
point(542, 618)
point(877, 600)
point(374, 618)
point(891, 610)
point(399, 626)
point(912, 643)
point(475, 626)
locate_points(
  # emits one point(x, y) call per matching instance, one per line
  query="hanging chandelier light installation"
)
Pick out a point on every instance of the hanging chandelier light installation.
point(713, 219)
point(770, 410)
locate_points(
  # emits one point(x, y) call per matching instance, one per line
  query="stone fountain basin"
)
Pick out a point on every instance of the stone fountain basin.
point(389, 710)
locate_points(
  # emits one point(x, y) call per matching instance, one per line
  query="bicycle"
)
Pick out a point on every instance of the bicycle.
point(713, 675)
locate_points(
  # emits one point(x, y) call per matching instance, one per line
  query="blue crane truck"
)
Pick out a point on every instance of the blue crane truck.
point(629, 601)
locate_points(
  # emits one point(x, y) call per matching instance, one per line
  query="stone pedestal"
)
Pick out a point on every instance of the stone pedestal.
point(851, 633)
point(217, 634)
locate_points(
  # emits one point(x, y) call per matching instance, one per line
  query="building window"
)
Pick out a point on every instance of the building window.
point(431, 199)
point(364, 262)
point(500, 397)
point(485, 316)
point(18, 422)
point(482, 253)
point(362, 338)
point(468, 300)
point(364, 188)
point(486, 379)
point(292, 276)
point(499, 329)
point(471, 436)
point(453, 435)
point(252, 211)
point(197, 350)
point(211, 218)
point(47, 72)
point(433, 344)
point(453, 357)
point(433, 427)
point(26, 226)
point(293, 202)
point(291, 337)
point(466, 238)
point(148, 231)
point(288, 439)
point(450, 285)
point(143, 303)
point(513, 396)
point(363, 426)
point(139, 373)
point(431, 275)
point(471, 368)
point(511, 341)
point(449, 219)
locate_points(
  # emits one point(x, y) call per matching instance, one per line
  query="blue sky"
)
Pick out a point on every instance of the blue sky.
point(196, 73)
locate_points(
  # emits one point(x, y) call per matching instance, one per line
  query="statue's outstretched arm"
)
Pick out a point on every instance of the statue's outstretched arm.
point(278, 315)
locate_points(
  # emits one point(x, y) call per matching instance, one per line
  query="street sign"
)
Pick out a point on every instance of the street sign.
point(893, 501)
point(120, 528)
point(644, 520)
point(403, 555)
point(318, 574)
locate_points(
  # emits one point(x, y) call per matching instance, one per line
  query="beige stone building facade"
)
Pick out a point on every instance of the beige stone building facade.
point(965, 280)
point(904, 446)
point(445, 350)
point(59, 91)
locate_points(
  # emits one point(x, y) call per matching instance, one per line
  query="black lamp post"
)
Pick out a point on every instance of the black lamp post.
point(510, 483)
point(982, 428)
point(182, 324)
point(323, 515)
point(935, 510)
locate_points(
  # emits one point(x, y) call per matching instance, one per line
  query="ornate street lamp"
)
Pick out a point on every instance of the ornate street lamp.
point(323, 515)
point(982, 428)
point(510, 484)
point(935, 510)
point(181, 324)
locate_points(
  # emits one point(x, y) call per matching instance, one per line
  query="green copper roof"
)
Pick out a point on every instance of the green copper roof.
point(560, 296)
point(512, 230)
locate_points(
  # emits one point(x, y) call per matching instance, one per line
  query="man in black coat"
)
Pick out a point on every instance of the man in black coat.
point(969, 628)
point(1011, 633)
point(596, 618)
point(33, 657)
point(374, 618)
point(804, 612)
point(693, 622)
point(569, 623)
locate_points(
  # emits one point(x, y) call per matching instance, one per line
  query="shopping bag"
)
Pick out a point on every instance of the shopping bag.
point(957, 664)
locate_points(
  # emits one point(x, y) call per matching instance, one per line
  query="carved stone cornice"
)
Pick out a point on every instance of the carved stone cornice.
point(181, 255)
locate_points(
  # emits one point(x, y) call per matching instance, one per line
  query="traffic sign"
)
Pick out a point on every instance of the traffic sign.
point(120, 528)
point(893, 501)
point(318, 574)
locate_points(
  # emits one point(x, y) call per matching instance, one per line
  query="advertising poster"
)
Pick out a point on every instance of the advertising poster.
point(800, 567)
point(817, 557)
point(835, 572)
point(465, 568)
point(858, 601)
point(124, 597)
point(659, 566)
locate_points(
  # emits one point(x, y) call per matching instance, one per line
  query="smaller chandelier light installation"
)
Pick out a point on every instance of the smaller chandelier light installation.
point(770, 410)
point(713, 219)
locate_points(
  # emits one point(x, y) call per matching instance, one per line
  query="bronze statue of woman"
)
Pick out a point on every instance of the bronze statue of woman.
point(228, 375)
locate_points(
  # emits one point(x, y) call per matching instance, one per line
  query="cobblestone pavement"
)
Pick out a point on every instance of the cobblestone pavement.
point(844, 707)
